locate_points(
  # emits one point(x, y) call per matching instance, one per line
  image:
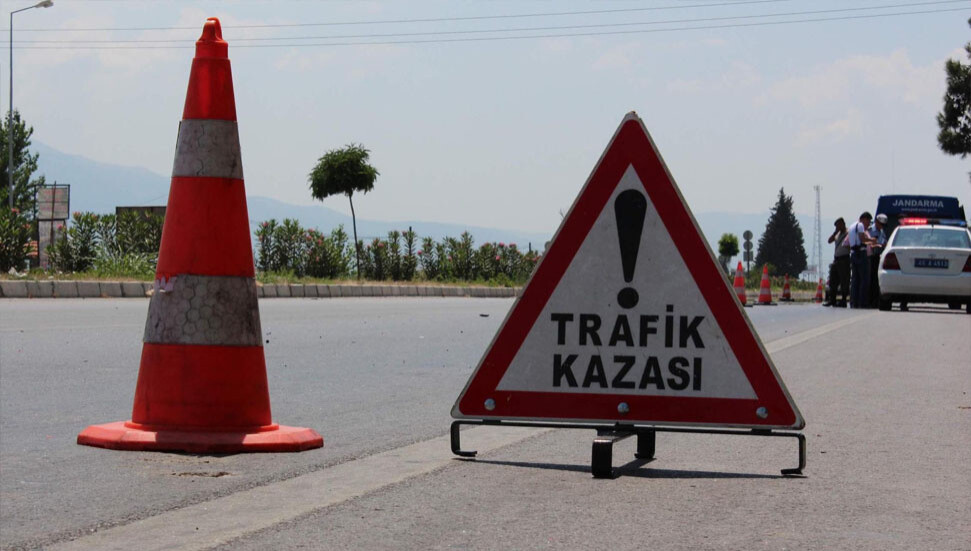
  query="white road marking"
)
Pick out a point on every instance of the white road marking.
point(779, 345)
point(221, 520)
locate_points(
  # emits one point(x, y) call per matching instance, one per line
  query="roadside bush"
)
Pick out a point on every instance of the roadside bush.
point(287, 247)
point(409, 263)
point(327, 256)
point(131, 265)
point(14, 239)
point(75, 249)
point(396, 258)
point(264, 251)
point(138, 233)
point(127, 244)
point(124, 246)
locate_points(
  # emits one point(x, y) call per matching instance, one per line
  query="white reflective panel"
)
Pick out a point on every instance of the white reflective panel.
point(590, 287)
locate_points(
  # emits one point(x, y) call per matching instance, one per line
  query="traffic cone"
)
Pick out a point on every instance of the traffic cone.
point(740, 284)
point(786, 292)
point(819, 291)
point(765, 292)
point(202, 384)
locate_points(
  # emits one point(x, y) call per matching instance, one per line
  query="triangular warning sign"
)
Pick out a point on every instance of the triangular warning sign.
point(628, 317)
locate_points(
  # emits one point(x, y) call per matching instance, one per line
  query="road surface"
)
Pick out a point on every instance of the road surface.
point(885, 395)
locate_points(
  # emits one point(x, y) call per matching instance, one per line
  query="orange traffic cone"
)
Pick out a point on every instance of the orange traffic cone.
point(765, 292)
point(202, 384)
point(819, 291)
point(740, 284)
point(786, 292)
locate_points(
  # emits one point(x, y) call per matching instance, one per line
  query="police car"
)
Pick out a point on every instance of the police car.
point(926, 261)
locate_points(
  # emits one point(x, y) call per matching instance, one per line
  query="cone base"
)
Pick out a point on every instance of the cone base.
point(122, 436)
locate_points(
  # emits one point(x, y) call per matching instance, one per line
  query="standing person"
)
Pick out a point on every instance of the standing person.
point(859, 264)
point(839, 270)
point(874, 251)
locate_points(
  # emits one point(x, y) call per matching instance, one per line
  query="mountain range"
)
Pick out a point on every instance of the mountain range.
point(100, 187)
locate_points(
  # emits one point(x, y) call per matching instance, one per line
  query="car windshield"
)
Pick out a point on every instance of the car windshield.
point(932, 237)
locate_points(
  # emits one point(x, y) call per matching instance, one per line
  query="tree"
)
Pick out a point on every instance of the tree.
point(344, 171)
point(16, 224)
point(781, 243)
point(25, 164)
point(955, 118)
point(727, 248)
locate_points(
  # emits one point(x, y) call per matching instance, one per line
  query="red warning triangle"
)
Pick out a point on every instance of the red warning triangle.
point(628, 317)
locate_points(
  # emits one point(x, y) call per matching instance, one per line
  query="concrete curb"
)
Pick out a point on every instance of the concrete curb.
point(139, 289)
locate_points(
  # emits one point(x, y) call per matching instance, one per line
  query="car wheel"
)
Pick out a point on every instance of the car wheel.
point(885, 304)
point(968, 307)
point(903, 306)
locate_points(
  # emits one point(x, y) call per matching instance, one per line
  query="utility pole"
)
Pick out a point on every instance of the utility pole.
point(817, 256)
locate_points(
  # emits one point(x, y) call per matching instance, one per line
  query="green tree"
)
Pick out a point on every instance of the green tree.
point(16, 224)
point(25, 165)
point(781, 243)
point(727, 248)
point(955, 118)
point(344, 171)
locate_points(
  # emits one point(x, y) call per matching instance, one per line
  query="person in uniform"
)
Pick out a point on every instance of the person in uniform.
point(873, 254)
point(859, 239)
point(839, 270)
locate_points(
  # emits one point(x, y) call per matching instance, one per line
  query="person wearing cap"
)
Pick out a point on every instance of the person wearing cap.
point(839, 270)
point(859, 240)
point(874, 251)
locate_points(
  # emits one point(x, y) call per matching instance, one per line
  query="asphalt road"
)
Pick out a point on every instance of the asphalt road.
point(888, 438)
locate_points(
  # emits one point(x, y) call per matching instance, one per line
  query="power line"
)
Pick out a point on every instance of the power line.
point(502, 30)
point(497, 38)
point(424, 20)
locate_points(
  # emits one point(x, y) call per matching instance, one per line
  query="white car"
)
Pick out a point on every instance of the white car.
point(926, 263)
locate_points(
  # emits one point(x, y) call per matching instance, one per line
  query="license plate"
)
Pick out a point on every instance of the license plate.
point(930, 263)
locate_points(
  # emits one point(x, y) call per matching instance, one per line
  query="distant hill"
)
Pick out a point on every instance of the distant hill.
point(99, 187)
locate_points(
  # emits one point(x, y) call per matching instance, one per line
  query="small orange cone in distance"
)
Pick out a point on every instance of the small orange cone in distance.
point(786, 291)
point(202, 385)
point(765, 292)
point(819, 291)
point(740, 284)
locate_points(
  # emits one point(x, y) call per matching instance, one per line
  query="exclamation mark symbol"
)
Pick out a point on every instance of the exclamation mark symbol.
point(629, 208)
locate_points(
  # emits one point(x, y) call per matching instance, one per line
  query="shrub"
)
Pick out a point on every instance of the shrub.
point(127, 244)
point(288, 249)
point(76, 248)
point(327, 256)
point(409, 261)
point(378, 251)
point(428, 260)
point(264, 237)
point(394, 255)
point(14, 239)
point(281, 246)
point(131, 265)
point(138, 233)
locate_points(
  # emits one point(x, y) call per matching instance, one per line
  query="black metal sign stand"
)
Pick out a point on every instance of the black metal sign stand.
point(601, 463)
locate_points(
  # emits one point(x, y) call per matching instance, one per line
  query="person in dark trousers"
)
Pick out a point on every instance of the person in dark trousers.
point(874, 251)
point(859, 239)
point(839, 270)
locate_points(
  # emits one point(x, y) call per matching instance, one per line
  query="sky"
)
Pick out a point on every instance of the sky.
point(466, 128)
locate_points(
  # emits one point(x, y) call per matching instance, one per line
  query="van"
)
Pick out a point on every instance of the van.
point(921, 209)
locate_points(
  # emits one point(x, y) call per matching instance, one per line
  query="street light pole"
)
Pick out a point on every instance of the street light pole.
point(10, 167)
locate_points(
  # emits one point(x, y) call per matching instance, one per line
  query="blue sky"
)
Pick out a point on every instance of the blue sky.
point(504, 133)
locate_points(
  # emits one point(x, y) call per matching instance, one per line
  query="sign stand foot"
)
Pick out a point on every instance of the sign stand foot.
point(645, 444)
point(601, 457)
